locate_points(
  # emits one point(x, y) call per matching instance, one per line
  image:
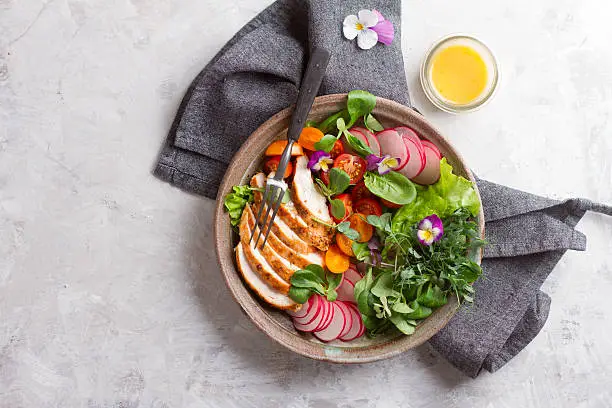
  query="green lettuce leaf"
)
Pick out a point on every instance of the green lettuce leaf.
point(447, 195)
point(236, 201)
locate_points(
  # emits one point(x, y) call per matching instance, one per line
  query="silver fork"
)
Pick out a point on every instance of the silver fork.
point(276, 186)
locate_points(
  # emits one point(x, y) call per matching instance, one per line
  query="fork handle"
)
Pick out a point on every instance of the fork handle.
point(311, 82)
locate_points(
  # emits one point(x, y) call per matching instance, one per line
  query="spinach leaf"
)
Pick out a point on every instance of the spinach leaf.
point(310, 123)
point(401, 307)
point(337, 209)
point(361, 250)
point(383, 285)
point(329, 124)
point(393, 186)
point(299, 295)
point(235, 202)
point(357, 145)
point(338, 180)
point(420, 311)
point(307, 280)
point(317, 270)
point(333, 280)
point(372, 124)
point(326, 143)
point(359, 104)
point(433, 297)
point(402, 323)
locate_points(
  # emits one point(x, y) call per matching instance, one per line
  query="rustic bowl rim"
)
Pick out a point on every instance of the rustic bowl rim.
point(261, 318)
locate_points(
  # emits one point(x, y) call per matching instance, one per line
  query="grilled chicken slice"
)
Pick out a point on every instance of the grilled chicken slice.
point(310, 204)
point(258, 261)
point(291, 255)
point(299, 236)
point(273, 297)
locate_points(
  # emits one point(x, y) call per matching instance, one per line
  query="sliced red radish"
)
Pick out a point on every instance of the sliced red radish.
point(353, 275)
point(356, 324)
point(358, 135)
point(336, 325)
point(427, 143)
point(304, 309)
point(416, 164)
point(431, 172)
point(328, 316)
point(349, 316)
point(372, 139)
point(391, 143)
point(346, 292)
point(314, 322)
point(315, 309)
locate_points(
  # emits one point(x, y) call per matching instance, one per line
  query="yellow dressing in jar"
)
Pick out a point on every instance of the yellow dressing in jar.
point(459, 74)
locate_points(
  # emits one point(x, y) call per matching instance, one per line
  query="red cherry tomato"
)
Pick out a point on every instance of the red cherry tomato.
point(389, 204)
point(272, 163)
point(368, 206)
point(360, 191)
point(353, 165)
point(348, 206)
point(337, 150)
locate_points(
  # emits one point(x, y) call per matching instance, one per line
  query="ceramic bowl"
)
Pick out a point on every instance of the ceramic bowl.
point(277, 324)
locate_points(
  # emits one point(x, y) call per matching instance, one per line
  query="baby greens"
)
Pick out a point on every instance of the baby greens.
point(443, 198)
point(313, 279)
point(413, 280)
point(393, 186)
point(236, 201)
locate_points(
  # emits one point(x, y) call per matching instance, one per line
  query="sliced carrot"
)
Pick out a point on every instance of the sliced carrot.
point(336, 260)
point(360, 224)
point(276, 149)
point(309, 137)
point(345, 244)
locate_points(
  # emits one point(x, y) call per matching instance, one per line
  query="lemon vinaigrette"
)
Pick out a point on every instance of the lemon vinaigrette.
point(459, 74)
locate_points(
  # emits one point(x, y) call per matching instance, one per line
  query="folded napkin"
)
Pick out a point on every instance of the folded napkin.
point(258, 74)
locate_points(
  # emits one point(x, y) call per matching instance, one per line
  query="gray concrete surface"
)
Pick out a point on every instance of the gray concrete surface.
point(109, 291)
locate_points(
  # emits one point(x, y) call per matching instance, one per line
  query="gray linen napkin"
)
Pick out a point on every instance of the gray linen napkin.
point(257, 73)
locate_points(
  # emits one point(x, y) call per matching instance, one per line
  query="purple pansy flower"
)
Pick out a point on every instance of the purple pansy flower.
point(384, 29)
point(430, 230)
point(320, 160)
point(382, 164)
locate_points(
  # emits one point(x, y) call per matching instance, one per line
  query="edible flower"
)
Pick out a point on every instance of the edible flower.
point(370, 27)
point(383, 164)
point(430, 230)
point(320, 160)
point(384, 29)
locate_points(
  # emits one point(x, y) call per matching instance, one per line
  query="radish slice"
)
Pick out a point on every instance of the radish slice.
point(315, 310)
point(391, 143)
point(356, 324)
point(416, 150)
point(353, 275)
point(427, 143)
point(349, 318)
point(372, 139)
point(336, 325)
point(312, 325)
point(358, 135)
point(431, 172)
point(328, 317)
point(346, 292)
point(303, 310)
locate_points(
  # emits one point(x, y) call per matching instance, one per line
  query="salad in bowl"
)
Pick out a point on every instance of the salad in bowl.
point(378, 237)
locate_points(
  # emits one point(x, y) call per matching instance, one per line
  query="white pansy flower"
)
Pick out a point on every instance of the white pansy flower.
point(360, 26)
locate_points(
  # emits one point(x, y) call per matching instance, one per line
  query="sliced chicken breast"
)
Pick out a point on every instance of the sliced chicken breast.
point(310, 204)
point(253, 280)
point(258, 261)
point(284, 251)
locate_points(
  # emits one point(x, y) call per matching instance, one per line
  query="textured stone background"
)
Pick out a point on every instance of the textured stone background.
point(109, 291)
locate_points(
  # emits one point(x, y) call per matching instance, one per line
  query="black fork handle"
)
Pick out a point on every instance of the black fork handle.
point(311, 82)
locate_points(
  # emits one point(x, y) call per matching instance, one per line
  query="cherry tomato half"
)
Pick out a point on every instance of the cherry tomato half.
point(360, 191)
point(368, 206)
point(272, 163)
point(348, 206)
point(389, 204)
point(324, 176)
point(337, 149)
point(353, 165)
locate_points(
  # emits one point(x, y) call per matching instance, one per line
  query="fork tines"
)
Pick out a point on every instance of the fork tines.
point(272, 199)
